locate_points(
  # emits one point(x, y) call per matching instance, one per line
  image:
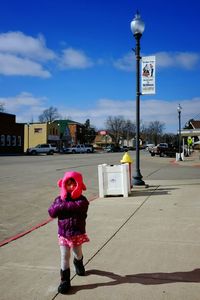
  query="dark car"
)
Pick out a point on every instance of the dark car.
point(112, 148)
point(164, 149)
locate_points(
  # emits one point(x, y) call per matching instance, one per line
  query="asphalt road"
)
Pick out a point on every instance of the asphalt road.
point(28, 183)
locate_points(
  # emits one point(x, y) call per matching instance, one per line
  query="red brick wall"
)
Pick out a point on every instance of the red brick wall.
point(12, 133)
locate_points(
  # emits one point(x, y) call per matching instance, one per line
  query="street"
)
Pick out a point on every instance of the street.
point(28, 183)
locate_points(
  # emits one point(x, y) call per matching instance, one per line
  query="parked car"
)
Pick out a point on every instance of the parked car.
point(113, 148)
point(149, 146)
point(79, 149)
point(42, 148)
point(164, 149)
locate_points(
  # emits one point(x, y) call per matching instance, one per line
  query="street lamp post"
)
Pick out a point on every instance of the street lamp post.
point(179, 122)
point(28, 134)
point(137, 28)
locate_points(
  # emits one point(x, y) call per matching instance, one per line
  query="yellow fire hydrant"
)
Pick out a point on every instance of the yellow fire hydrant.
point(127, 159)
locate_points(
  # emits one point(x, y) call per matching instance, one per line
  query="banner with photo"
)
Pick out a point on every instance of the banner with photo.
point(148, 75)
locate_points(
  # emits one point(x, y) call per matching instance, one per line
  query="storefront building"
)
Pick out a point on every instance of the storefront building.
point(11, 134)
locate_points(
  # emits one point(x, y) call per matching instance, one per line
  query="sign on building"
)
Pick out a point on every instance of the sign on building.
point(148, 75)
point(103, 132)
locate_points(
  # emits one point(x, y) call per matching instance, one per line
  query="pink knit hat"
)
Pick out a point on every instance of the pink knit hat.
point(80, 186)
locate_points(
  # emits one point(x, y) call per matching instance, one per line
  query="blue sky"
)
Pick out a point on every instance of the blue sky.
point(76, 55)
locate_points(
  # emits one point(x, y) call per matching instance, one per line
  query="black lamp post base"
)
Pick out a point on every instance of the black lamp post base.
point(137, 180)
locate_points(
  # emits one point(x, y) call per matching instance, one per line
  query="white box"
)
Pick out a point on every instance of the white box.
point(178, 156)
point(114, 180)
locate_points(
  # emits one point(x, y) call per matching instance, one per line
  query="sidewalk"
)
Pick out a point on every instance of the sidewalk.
point(193, 160)
point(142, 247)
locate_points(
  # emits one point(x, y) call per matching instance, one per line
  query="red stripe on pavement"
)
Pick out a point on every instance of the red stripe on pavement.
point(19, 235)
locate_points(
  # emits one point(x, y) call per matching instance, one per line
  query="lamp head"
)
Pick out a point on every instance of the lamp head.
point(137, 25)
point(179, 108)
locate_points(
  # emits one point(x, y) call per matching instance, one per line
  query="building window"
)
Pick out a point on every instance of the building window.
point(37, 130)
point(13, 140)
point(19, 141)
point(8, 140)
point(2, 140)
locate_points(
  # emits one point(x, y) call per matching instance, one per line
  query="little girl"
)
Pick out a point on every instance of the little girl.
point(70, 207)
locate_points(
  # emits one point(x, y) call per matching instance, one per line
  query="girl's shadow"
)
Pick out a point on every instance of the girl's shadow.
point(143, 278)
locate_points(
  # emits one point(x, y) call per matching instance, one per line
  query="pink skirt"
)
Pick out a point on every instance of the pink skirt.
point(73, 241)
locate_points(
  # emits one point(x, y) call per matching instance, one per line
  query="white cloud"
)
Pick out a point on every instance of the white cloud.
point(25, 106)
point(13, 65)
point(184, 60)
point(23, 55)
point(74, 59)
point(164, 60)
point(126, 63)
point(26, 46)
point(187, 60)
point(166, 111)
point(151, 110)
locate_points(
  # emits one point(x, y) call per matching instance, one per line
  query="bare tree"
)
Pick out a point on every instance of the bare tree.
point(170, 138)
point(129, 130)
point(115, 126)
point(155, 130)
point(145, 133)
point(120, 128)
point(49, 115)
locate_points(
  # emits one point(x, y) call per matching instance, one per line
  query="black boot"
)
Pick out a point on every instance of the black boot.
point(65, 282)
point(79, 267)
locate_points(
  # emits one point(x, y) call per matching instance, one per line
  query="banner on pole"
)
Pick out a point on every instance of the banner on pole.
point(148, 75)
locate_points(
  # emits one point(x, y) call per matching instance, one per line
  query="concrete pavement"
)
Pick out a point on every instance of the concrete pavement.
point(142, 247)
point(193, 160)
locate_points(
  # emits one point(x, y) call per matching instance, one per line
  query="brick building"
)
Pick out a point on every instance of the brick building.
point(11, 134)
point(16, 138)
point(77, 131)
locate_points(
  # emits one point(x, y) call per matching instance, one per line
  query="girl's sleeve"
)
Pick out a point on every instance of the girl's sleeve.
point(77, 206)
point(56, 208)
point(64, 209)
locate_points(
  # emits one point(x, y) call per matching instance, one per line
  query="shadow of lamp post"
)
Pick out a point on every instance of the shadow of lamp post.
point(137, 28)
point(179, 108)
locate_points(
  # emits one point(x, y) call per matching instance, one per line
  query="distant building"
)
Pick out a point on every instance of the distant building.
point(64, 137)
point(11, 134)
point(193, 130)
point(56, 133)
point(195, 125)
point(40, 133)
point(77, 131)
point(16, 138)
point(103, 139)
point(61, 133)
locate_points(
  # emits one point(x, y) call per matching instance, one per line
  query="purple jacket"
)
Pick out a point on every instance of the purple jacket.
point(71, 214)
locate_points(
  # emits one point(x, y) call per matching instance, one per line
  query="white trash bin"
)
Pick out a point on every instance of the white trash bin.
point(114, 180)
point(178, 156)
